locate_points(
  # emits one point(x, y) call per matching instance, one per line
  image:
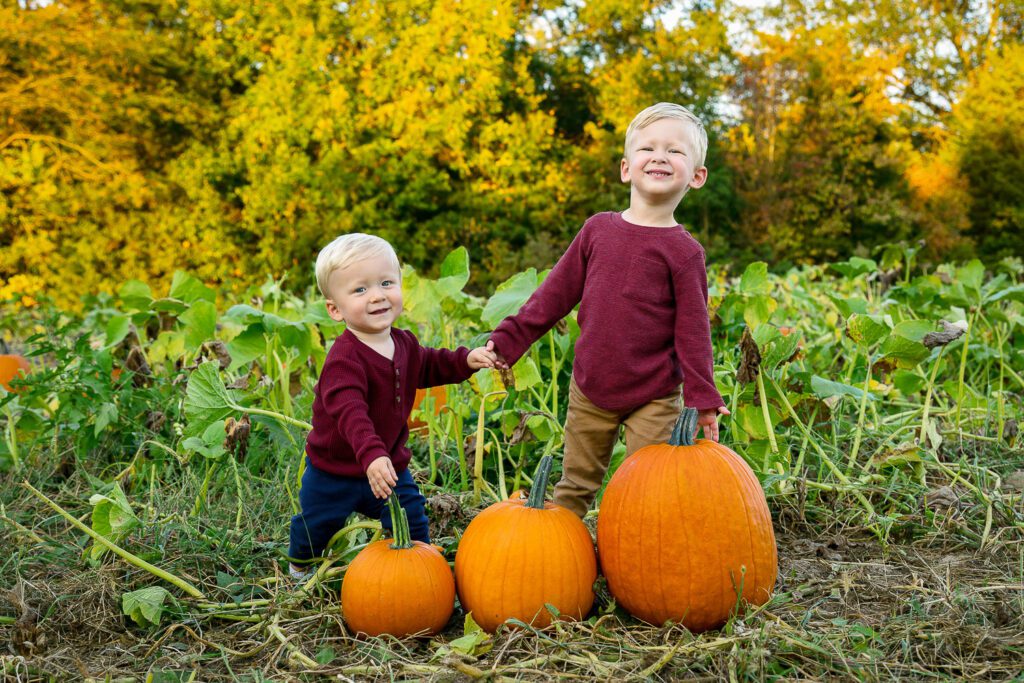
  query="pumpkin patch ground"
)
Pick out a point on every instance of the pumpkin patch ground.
point(869, 482)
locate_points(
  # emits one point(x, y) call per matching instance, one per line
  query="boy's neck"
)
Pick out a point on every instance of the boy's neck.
point(381, 342)
point(641, 212)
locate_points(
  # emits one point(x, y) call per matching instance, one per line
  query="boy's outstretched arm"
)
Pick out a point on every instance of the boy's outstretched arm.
point(561, 290)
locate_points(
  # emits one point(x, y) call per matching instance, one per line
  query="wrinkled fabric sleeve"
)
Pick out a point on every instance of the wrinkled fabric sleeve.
point(693, 335)
point(442, 366)
point(553, 300)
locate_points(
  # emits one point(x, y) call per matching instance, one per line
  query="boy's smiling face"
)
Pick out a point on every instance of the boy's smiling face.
point(366, 295)
point(662, 162)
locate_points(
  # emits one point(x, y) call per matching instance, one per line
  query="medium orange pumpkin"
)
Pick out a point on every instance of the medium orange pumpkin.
point(400, 587)
point(440, 400)
point(519, 555)
point(683, 529)
point(12, 366)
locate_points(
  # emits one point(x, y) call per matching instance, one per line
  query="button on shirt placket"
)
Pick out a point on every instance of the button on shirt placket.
point(398, 389)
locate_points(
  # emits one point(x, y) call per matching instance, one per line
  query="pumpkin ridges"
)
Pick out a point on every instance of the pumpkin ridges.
point(764, 522)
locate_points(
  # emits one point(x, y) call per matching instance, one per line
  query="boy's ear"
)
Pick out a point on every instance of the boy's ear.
point(700, 176)
point(334, 311)
point(624, 170)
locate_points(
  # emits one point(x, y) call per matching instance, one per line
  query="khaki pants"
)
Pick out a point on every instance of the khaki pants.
point(590, 435)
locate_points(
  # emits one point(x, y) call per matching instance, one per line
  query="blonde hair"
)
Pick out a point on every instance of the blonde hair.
point(669, 110)
point(348, 249)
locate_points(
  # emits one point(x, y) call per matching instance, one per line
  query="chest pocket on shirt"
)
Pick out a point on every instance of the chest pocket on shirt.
point(648, 280)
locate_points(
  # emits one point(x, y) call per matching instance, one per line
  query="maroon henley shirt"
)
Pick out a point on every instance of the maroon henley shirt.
point(362, 401)
point(643, 316)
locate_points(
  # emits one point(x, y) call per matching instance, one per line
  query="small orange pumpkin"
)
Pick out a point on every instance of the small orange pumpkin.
point(518, 556)
point(399, 587)
point(684, 530)
point(12, 366)
point(440, 400)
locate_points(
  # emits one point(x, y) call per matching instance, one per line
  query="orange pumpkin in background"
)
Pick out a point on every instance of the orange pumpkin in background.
point(518, 556)
point(398, 587)
point(12, 366)
point(440, 400)
point(684, 532)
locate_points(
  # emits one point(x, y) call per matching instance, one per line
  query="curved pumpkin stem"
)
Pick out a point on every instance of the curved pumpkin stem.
point(685, 428)
point(399, 524)
point(540, 484)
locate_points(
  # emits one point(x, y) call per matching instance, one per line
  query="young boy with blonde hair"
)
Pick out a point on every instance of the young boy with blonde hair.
point(641, 285)
point(356, 454)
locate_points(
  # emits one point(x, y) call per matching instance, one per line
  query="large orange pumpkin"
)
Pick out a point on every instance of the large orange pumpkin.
point(11, 365)
point(400, 587)
point(440, 399)
point(684, 530)
point(518, 556)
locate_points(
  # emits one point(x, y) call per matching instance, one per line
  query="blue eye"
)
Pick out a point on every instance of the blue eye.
point(387, 283)
point(359, 290)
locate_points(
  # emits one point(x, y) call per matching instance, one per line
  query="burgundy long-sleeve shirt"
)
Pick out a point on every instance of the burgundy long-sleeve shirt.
point(643, 317)
point(362, 401)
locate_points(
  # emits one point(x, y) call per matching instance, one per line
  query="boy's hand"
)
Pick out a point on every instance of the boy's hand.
point(481, 357)
point(708, 420)
point(499, 362)
point(382, 476)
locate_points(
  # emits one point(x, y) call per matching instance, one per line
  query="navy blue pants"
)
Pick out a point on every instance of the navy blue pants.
point(327, 500)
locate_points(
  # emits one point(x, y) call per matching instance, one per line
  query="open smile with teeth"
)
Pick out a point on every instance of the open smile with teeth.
point(379, 311)
point(659, 174)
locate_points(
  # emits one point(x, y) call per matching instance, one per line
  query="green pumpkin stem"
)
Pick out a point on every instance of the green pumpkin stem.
point(685, 428)
point(540, 484)
point(399, 524)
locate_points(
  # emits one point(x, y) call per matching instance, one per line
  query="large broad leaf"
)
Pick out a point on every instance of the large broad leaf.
point(510, 296)
point(421, 298)
point(206, 399)
point(824, 388)
point(200, 324)
point(775, 347)
point(526, 373)
point(146, 605)
point(855, 266)
point(454, 271)
point(906, 352)
point(758, 310)
point(187, 288)
point(848, 307)
point(971, 275)
point(112, 518)
point(118, 328)
point(136, 295)
point(867, 330)
point(754, 280)
point(247, 346)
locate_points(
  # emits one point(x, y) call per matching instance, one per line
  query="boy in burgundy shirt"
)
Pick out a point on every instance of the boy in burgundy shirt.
point(641, 285)
point(356, 453)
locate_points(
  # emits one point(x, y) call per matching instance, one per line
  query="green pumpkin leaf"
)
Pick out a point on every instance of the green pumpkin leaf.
point(510, 296)
point(754, 280)
point(526, 373)
point(455, 270)
point(188, 289)
point(867, 330)
point(112, 518)
point(823, 388)
point(200, 323)
point(136, 295)
point(145, 606)
point(206, 398)
point(758, 310)
point(855, 266)
point(118, 328)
